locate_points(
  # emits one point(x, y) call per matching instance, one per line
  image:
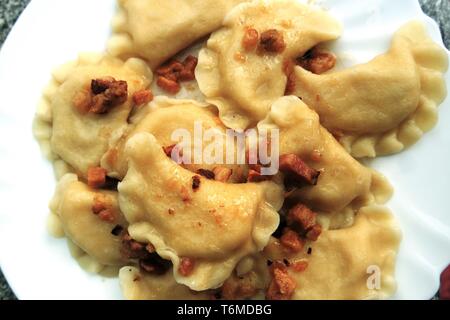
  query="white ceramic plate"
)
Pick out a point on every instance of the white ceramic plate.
point(51, 32)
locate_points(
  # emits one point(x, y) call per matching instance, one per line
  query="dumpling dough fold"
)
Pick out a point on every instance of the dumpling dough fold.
point(217, 224)
point(156, 30)
point(385, 105)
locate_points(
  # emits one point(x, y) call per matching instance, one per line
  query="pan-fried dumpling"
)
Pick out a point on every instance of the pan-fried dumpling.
point(243, 82)
point(182, 214)
point(343, 180)
point(157, 30)
point(385, 105)
point(162, 119)
point(73, 204)
point(137, 285)
point(81, 138)
point(353, 264)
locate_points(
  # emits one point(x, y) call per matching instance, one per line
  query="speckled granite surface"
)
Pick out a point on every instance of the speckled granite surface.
point(11, 9)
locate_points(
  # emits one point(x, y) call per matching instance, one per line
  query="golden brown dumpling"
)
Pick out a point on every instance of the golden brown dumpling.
point(385, 105)
point(216, 224)
point(343, 180)
point(156, 30)
point(162, 119)
point(72, 204)
point(81, 139)
point(243, 83)
point(348, 264)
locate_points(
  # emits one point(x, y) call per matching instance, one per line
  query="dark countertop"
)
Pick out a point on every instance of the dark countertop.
point(11, 9)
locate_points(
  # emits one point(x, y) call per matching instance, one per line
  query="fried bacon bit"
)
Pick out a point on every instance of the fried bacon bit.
point(208, 174)
point(103, 208)
point(131, 249)
point(172, 73)
point(250, 39)
point(299, 266)
point(142, 97)
point(317, 61)
point(168, 85)
point(100, 85)
point(170, 70)
point(168, 150)
point(314, 233)
point(188, 71)
point(96, 177)
point(272, 41)
point(235, 288)
point(254, 174)
point(303, 220)
point(195, 183)
point(117, 231)
point(177, 156)
point(222, 174)
point(186, 267)
point(107, 94)
point(282, 286)
point(292, 241)
point(297, 171)
point(302, 217)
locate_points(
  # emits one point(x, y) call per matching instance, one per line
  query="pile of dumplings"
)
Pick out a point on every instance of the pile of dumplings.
point(202, 231)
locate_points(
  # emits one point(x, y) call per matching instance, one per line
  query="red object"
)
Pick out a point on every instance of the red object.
point(444, 291)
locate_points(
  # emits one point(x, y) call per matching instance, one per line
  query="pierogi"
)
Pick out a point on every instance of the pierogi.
point(164, 208)
point(81, 139)
point(385, 105)
point(72, 204)
point(144, 188)
point(243, 83)
point(157, 30)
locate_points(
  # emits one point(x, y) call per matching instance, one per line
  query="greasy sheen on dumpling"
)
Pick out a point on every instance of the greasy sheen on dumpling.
point(216, 224)
point(243, 83)
point(137, 285)
point(81, 139)
point(72, 204)
point(162, 119)
point(156, 30)
point(343, 180)
point(348, 264)
point(385, 105)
